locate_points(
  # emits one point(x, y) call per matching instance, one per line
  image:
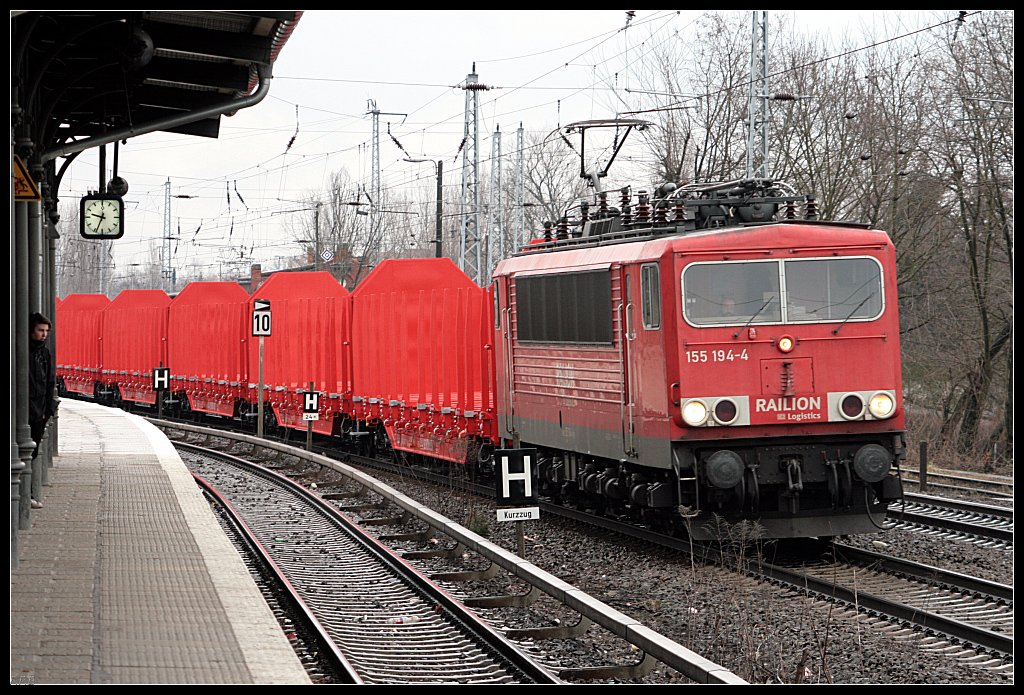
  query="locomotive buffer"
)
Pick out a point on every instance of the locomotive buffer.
point(514, 487)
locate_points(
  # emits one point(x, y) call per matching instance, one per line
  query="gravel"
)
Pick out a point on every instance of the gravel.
point(762, 633)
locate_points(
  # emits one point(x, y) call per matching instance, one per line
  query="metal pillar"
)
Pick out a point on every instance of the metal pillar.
point(520, 224)
point(20, 497)
point(50, 302)
point(36, 282)
point(21, 434)
point(471, 256)
point(497, 247)
point(438, 241)
point(757, 106)
point(165, 247)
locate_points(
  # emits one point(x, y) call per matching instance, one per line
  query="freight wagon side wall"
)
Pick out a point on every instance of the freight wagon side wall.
point(308, 343)
point(423, 359)
point(207, 333)
point(135, 342)
point(79, 326)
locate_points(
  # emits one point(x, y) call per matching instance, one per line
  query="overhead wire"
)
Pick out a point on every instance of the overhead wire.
point(263, 168)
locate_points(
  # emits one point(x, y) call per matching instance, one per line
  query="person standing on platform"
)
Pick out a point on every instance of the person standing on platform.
point(41, 383)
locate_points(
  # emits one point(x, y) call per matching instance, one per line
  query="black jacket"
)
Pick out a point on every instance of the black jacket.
point(41, 382)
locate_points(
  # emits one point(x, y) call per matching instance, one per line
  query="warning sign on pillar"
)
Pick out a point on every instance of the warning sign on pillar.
point(25, 189)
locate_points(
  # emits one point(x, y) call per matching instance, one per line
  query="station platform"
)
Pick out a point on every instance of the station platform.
point(126, 577)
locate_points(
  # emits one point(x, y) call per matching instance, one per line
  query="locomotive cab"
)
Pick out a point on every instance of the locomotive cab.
point(790, 407)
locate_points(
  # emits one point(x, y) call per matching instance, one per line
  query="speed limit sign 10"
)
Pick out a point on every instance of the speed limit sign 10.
point(261, 318)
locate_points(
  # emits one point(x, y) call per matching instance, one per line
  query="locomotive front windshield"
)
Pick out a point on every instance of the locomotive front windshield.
point(816, 290)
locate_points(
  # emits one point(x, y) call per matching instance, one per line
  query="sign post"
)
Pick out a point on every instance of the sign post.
point(261, 323)
point(515, 486)
point(161, 382)
point(310, 412)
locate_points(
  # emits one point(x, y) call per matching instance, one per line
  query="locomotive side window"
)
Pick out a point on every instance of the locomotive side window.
point(650, 290)
point(564, 308)
point(727, 294)
point(833, 289)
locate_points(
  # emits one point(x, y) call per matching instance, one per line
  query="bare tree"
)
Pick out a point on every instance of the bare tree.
point(359, 231)
point(694, 91)
point(972, 151)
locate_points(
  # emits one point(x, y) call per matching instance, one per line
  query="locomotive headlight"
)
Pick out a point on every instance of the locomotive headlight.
point(786, 344)
point(695, 413)
point(882, 405)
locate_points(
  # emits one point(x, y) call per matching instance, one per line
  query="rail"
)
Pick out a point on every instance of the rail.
point(672, 654)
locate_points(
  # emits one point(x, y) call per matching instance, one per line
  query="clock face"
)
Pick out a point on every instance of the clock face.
point(101, 216)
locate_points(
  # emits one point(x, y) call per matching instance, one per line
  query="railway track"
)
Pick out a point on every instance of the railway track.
point(936, 630)
point(587, 614)
point(316, 651)
point(389, 622)
point(985, 524)
point(944, 606)
point(998, 488)
point(966, 612)
point(968, 617)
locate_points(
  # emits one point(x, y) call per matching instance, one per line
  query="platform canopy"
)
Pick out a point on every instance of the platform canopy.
point(85, 78)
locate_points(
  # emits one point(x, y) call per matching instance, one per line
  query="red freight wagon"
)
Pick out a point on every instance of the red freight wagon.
point(207, 331)
point(134, 343)
point(308, 343)
point(429, 376)
point(79, 326)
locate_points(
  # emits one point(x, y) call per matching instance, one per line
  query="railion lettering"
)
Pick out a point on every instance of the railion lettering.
point(792, 404)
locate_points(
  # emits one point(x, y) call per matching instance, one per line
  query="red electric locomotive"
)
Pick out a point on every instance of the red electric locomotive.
point(707, 357)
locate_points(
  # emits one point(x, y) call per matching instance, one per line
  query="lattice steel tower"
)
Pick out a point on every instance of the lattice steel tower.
point(166, 272)
point(471, 256)
point(757, 107)
point(374, 219)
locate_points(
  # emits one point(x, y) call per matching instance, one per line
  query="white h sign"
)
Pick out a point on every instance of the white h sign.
point(311, 406)
point(161, 378)
point(515, 488)
point(526, 476)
